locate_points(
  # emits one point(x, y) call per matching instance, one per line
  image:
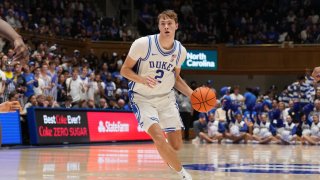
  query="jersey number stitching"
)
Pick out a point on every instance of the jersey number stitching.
point(159, 75)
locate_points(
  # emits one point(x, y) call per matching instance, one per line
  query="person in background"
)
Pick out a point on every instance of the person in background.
point(200, 128)
point(237, 129)
point(315, 131)
point(236, 96)
point(30, 81)
point(288, 135)
point(263, 130)
point(61, 89)
point(122, 105)
point(185, 110)
point(51, 102)
point(2, 85)
point(75, 86)
point(67, 102)
point(103, 104)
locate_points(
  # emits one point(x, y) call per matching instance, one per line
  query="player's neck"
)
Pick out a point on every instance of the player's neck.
point(166, 42)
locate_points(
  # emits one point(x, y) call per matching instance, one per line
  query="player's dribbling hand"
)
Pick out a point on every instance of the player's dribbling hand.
point(21, 51)
point(316, 74)
point(149, 81)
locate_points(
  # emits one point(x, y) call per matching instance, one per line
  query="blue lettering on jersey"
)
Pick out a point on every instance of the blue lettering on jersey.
point(161, 65)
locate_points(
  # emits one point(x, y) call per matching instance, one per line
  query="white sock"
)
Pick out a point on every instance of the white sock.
point(184, 174)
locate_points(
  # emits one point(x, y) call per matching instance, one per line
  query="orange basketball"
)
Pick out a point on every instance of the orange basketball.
point(203, 99)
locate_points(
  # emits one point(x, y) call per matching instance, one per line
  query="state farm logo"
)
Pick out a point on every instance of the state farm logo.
point(108, 126)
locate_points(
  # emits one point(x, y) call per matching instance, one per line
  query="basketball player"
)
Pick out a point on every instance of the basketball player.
point(153, 67)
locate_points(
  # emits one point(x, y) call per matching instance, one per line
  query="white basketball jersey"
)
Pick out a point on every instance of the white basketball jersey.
point(153, 61)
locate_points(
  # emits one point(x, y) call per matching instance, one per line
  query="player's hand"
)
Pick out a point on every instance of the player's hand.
point(9, 106)
point(316, 74)
point(149, 81)
point(21, 51)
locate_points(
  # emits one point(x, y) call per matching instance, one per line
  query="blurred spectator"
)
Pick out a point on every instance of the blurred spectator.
point(67, 102)
point(121, 105)
point(101, 87)
point(38, 89)
point(51, 102)
point(236, 97)
point(102, 104)
point(92, 87)
point(54, 79)
point(91, 104)
point(75, 86)
point(41, 100)
point(30, 81)
point(2, 86)
point(84, 80)
point(46, 90)
point(61, 89)
point(31, 102)
point(110, 87)
point(185, 110)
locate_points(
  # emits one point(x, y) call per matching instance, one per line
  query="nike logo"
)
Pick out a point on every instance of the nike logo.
point(153, 54)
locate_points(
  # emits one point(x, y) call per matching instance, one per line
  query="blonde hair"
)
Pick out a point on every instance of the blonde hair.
point(168, 14)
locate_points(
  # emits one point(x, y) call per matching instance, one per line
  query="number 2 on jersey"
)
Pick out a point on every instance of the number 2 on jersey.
point(159, 75)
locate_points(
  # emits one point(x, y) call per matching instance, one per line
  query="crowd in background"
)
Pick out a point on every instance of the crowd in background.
point(284, 117)
point(52, 78)
point(64, 19)
point(238, 21)
point(234, 22)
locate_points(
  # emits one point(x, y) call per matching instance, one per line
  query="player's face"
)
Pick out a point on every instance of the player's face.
point(167, 26)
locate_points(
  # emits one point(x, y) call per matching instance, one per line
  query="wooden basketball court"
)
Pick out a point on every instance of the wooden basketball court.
point(141, 161)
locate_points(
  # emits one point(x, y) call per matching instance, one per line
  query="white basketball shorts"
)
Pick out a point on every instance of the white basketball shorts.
point(163, 110)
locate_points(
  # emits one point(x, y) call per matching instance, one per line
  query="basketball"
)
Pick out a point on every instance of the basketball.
point(203, 99)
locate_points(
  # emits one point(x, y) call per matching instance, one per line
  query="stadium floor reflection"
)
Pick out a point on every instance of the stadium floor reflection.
point(141, 161)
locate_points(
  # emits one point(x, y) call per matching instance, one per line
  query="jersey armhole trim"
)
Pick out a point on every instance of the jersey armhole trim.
point(149, 50)
point(179, 53)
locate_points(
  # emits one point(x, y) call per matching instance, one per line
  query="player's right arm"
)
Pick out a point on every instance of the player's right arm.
point(137, 50)
point(127, 72)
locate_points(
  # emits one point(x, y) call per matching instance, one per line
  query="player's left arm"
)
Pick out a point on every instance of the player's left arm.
point(181, 85)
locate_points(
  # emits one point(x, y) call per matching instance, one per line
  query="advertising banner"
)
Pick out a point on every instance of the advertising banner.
point(59, 126)
point(201, 60)
point(114, 126)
